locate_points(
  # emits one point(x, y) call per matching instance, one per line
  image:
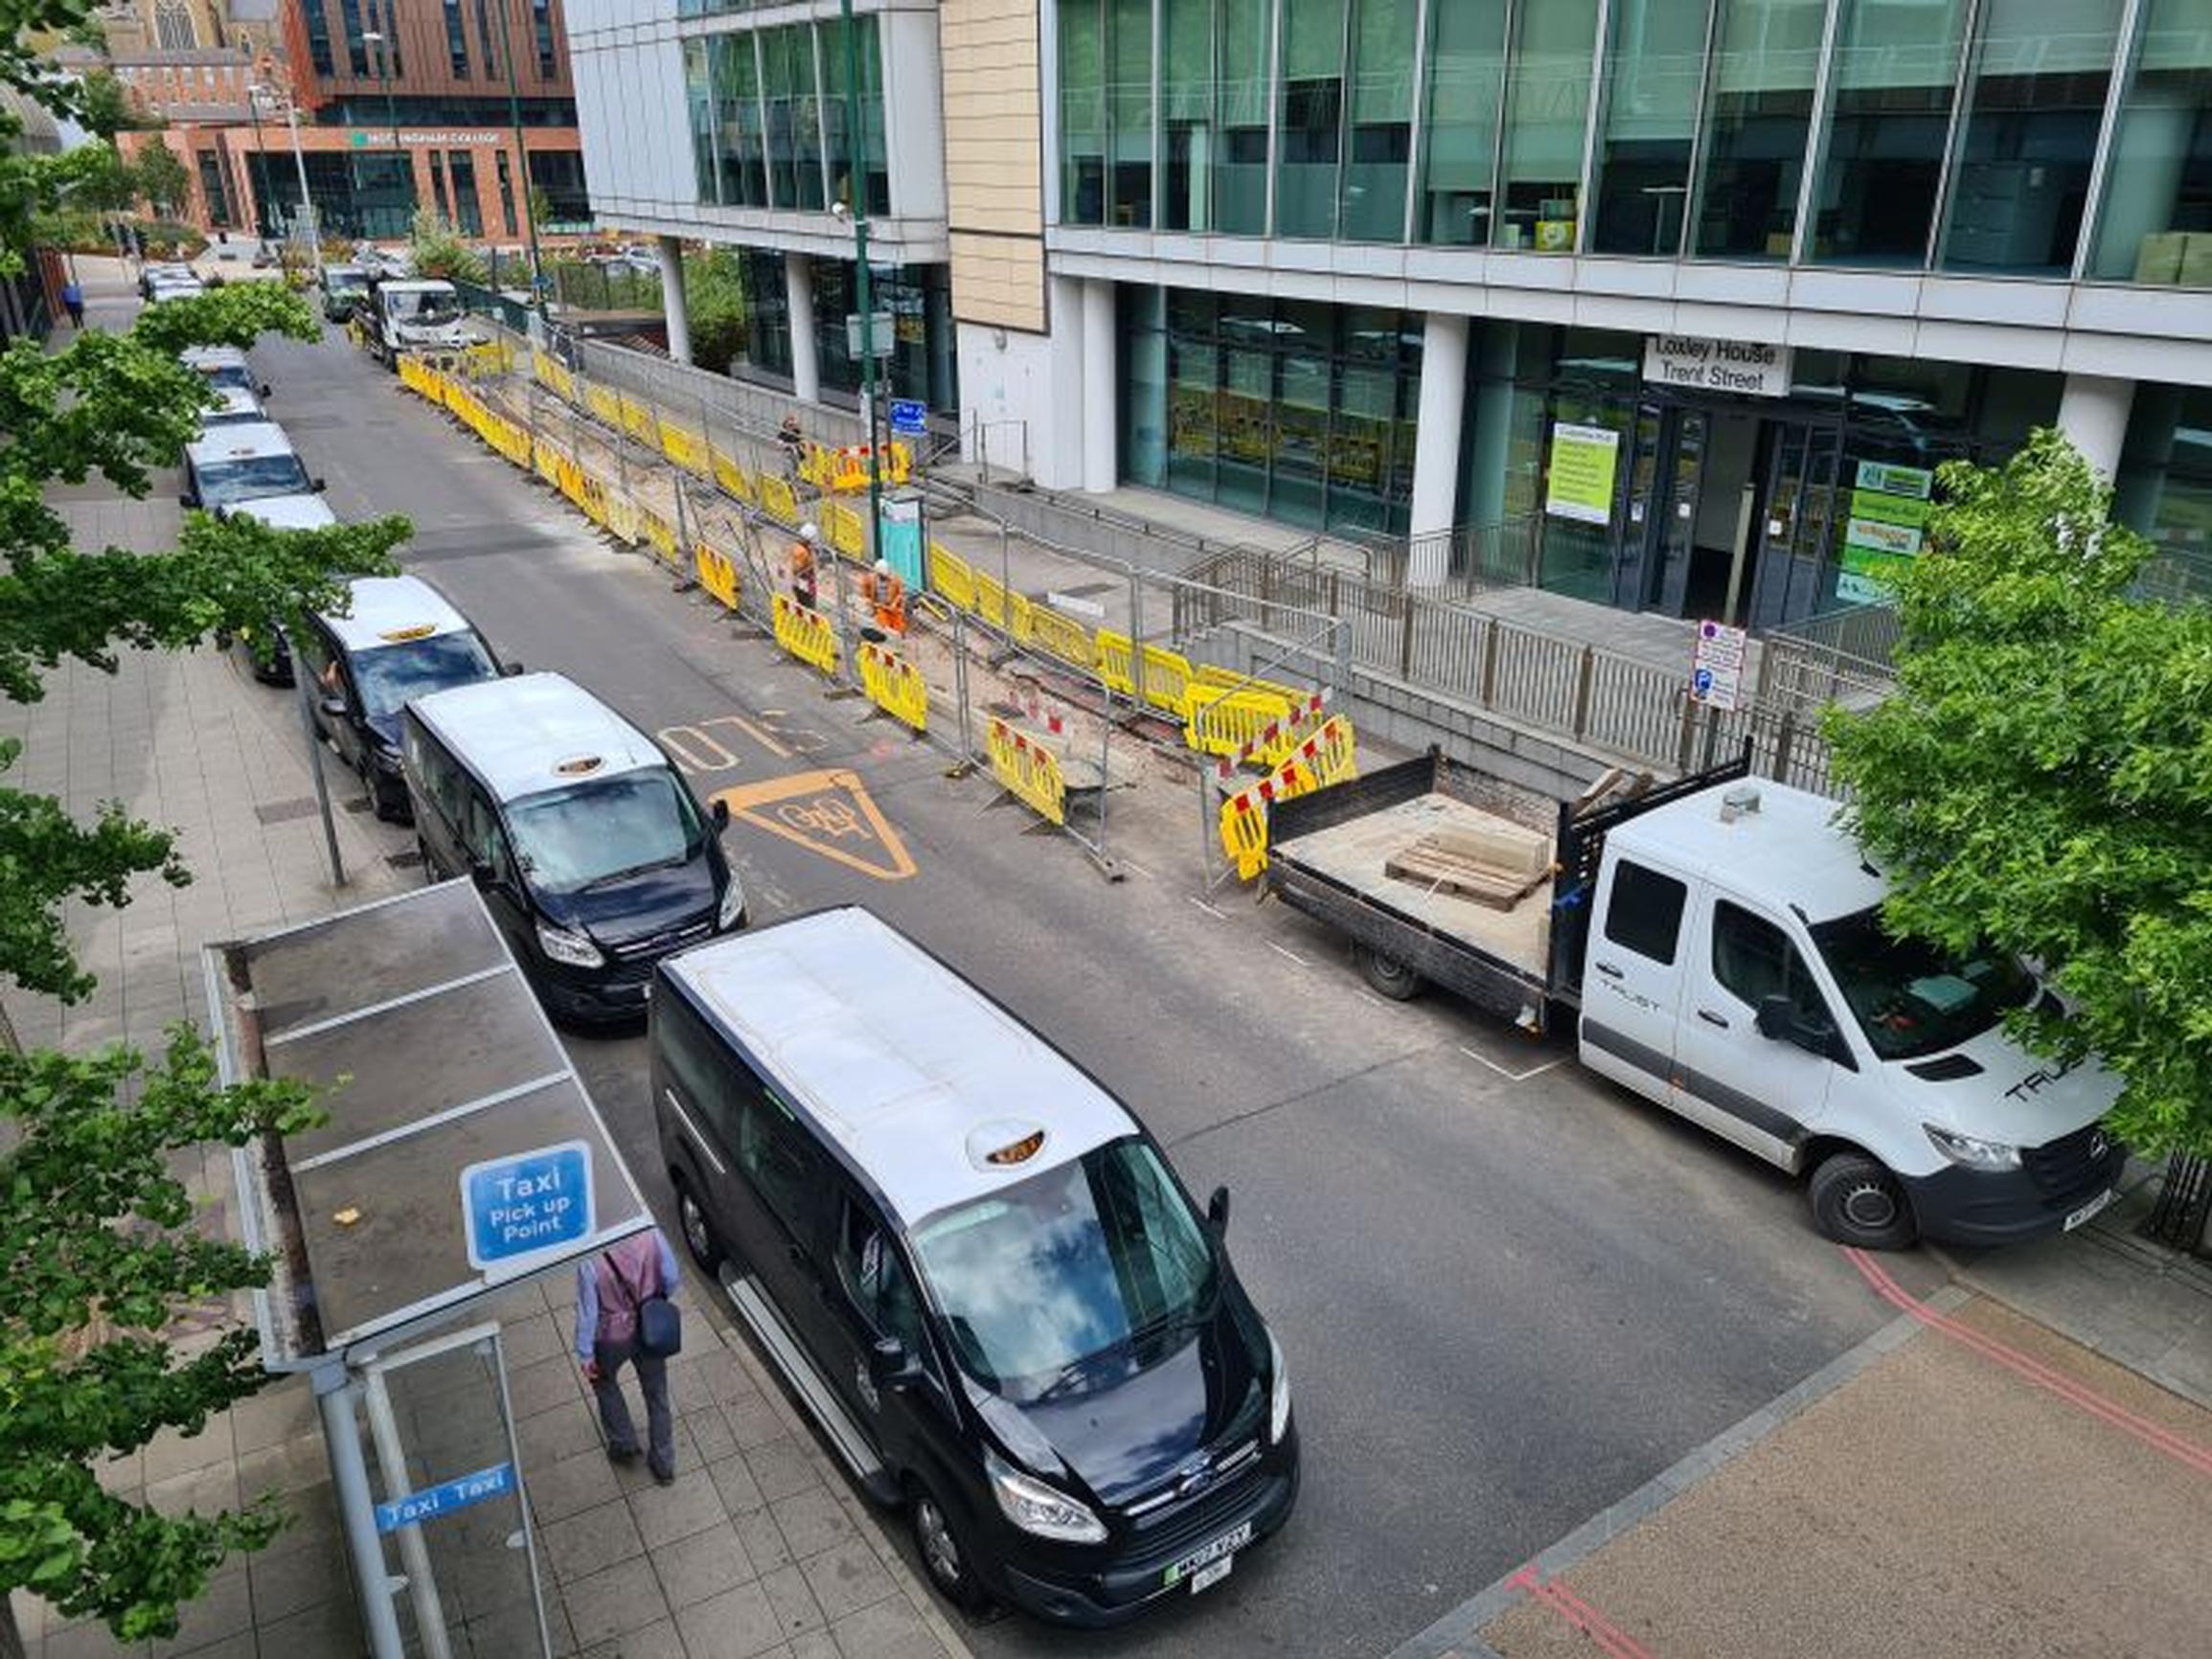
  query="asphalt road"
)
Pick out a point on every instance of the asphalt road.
point(1509, 1292)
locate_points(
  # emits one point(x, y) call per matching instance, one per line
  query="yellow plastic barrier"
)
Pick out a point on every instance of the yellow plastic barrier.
point(621, 518)
point(1245, 816)
point(659, 531)
point(718, 573)
point(895, 686)
point(779, 501)
point(951, 577)
point(846, 470)
point(1028, 771)
point(735, 480)
point(687, 448)
point(1333, 753)
point(548, 459)
point(1116, 662)
point(846, 530)
point(1229, 680)
point(1063, 636)
point(806, 634)
point(552, 375)
point(1221, 722)
point(604, 405)
point(990, 600)
point(1167, 680)
point(639, 420)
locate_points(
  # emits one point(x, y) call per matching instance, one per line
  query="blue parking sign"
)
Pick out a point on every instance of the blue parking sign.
point(909, 417)
point(525, 1205)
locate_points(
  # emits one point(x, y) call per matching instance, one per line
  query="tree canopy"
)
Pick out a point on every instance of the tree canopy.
point(2043, 777)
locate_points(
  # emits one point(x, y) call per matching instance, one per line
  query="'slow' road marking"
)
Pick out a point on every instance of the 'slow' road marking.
point(1511, 1077)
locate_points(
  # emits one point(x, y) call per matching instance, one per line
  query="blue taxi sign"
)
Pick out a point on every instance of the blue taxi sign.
point(524, 1205)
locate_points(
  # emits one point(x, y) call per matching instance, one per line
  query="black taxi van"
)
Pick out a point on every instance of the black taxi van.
point(973, 1266)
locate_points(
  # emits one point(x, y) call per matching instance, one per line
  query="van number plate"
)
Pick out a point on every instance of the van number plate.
point(2095, 1206)
point(1209, 1565)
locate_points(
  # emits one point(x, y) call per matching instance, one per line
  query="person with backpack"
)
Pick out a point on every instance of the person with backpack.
point(624, 1317)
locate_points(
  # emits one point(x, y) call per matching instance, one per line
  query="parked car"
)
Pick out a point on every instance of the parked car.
point(252, 463)
point(224, 366)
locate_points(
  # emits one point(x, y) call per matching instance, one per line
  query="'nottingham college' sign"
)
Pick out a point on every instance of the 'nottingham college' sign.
point(1695, 363)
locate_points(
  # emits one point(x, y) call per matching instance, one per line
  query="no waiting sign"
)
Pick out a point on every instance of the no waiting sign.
point(1717, 666)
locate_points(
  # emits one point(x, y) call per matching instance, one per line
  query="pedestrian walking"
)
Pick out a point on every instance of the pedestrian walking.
point(803, 566)
point(73, 302)
point(612, 1289)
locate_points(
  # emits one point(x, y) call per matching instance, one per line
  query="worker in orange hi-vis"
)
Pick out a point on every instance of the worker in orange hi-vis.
point(803, 565)
point(886, 595)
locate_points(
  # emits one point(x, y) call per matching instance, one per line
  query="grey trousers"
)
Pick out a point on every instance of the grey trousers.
point(652, 1376)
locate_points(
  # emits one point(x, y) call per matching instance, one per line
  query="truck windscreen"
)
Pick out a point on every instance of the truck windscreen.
point(1912, 998)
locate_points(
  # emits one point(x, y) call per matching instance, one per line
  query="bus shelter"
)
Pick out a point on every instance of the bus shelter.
point(460, 1154)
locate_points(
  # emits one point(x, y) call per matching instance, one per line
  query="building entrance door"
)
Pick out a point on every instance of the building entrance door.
point(1793, 573)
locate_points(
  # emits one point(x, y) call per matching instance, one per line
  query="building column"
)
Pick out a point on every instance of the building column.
point(2093, 414)
point(1101, 426)
point(675, 309)
point(799, 305)
point(1435, 509)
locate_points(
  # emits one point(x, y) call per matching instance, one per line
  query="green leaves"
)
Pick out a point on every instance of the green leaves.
point(2044, 775)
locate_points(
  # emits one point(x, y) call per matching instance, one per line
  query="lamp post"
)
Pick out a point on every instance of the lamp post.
point(521, 157)
point(857, 187)
point(253, 195)
point(300, 163)
point(383, 45)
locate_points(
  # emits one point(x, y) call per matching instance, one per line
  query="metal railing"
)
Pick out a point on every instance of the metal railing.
point(1841, 656)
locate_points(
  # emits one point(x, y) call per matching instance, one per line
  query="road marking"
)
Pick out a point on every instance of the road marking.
point(1279, 950)
point(695, 751)
point(780, 751)
point(1612, 1641)
point(1138, 869)
point(1511, 1077)
point(820, 809)
point(2186, 1452)
point(1207, 908)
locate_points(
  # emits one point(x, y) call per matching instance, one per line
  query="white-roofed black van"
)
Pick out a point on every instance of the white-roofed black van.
point(974, 1266)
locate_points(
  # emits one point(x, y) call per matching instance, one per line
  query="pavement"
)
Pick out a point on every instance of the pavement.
point(1531, 1324)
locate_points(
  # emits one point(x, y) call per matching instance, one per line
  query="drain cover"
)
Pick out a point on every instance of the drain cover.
point(285, 811)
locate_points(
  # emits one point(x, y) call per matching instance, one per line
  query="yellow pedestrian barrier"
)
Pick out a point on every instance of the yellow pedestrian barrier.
point(1229, 680)
point(639, 420)
point(621, 518)
point(1221, 722)
point(552, 375)
point(806, 634)
point(548, 459)
point(846, 530)
point(951, 577)
point(1028, 771)
point(658, 532)
point(895, 686)
point(687, 448)
point(718, 573)
point(1063, 636)
point(779, 501)
point(1333, 753)
point(1245, 816)
point(1167, 680)
point(1116, 662)
point(735, 480)
point(990, 600)
point(604, 405)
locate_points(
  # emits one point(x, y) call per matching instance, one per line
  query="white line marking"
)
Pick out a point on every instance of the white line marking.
point(1207, 908)
point(1511, 1077)
point(1291, 954)
point(1138, 867)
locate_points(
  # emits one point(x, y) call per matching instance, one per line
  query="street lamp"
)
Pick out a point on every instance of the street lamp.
point(383, 45)
point(522, 158)
point(856, 186)
point(254, 94)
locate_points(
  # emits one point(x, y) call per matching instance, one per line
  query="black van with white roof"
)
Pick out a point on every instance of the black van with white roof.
point(974, 1266)
point(593, 857)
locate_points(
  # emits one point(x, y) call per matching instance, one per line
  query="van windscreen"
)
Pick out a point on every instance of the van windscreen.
point(390, 677)
point(1053, 1286)
point(1912, 998)
point(249, 477)
point(588, 833)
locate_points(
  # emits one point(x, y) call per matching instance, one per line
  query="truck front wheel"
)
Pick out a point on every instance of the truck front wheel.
point(1387, 975)
point(1857, 1202)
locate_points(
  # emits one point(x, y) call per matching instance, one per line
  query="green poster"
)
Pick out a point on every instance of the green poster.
point(1585, 460)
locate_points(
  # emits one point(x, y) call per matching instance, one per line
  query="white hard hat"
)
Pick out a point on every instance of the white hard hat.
point(883, 567)
point(807, 532)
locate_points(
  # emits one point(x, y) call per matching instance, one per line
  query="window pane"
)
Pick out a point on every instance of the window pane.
point(1767, 54)
point(1240, 177)
point(1083, 124)
point(1465, 82)
point(1645, 911)
point(1889, 113)
point(1312, 123)
point(1546, 119)
point(875, 170)
point(1383, 36)
point(1130, 113)
point(1654, 69)
point(2032, 109)
point(1187, 133)
point(2157, 223)
point(738, 122)
point(698, 96)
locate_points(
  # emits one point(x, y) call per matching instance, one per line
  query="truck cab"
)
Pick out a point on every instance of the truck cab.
point(415, 314)
point(1737, 971)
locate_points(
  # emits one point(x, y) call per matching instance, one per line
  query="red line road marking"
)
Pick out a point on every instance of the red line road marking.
point(1611, 1640)
point(2185, 1452)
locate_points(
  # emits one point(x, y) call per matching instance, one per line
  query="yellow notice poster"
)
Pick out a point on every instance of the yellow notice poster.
point(1584, 462)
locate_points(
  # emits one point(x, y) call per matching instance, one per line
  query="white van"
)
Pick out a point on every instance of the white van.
point(252, 461)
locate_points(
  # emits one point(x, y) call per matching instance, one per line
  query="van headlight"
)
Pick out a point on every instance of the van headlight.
point(1278, 1392)
point(1037, 1508)
point(733, 906)
point(1971, 1153)
point(572, 948)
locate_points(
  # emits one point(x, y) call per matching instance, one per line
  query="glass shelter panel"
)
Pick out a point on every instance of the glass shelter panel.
point(1655, 80)
point(1547, 122)
point(2156, 220)
point(2035, 100)
point(1465, 87)
point(1889, 115)
point(1766, 61)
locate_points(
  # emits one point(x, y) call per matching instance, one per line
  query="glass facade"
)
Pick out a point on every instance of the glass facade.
point(1958, 135)
point(769, 121)
point(922, 365)
point(2164, 488)
point(1298, 409)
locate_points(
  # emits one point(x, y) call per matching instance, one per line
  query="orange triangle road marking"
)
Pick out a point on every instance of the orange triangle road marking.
point(828, 812)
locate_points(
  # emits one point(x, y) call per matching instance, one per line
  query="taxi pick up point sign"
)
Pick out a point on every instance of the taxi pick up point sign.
point(523, 1205)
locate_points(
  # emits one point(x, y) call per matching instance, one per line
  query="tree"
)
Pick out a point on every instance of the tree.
point(438, 252)
point(714, 292)
point(96, 1233)
point(2043, 777)
point(104, 106)
point(162, 178)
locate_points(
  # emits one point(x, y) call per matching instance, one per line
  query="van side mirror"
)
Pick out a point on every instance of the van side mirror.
point(720, 812)
point(1775, 1018)
point(318, 484)
point(185, 498)
point(264, 389)
point(480, 871)
point(335, 705)
point(1217, 1210)
point(1778, 1018)
point(511, 671)
point(890, 1365)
